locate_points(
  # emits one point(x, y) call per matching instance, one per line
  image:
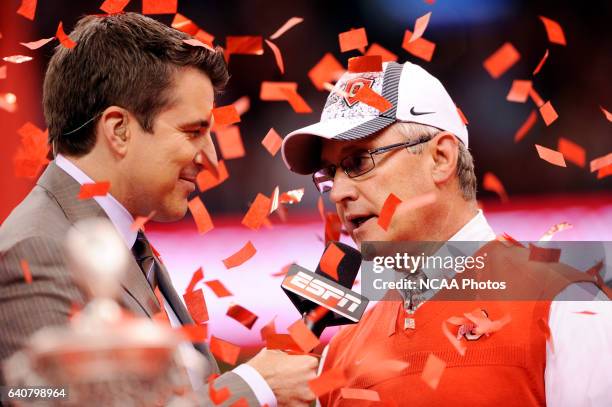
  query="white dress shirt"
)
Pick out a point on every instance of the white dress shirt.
point(123, 221)
point(579, 371)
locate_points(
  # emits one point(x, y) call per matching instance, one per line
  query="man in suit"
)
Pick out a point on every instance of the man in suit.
point(131, 104)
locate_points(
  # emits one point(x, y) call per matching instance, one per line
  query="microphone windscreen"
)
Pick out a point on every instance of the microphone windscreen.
point(348, 266)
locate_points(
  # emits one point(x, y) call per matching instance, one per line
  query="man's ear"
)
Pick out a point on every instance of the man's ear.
point(444, 149)
point(114, 129)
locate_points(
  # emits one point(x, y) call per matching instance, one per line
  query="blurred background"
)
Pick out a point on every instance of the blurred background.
point(575, 78)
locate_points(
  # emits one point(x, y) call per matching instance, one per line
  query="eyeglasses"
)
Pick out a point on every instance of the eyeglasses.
point(357, 164)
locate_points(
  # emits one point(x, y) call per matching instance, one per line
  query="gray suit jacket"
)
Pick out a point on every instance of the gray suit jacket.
point(35, 231)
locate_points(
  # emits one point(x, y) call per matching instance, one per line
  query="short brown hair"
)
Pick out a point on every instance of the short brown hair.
point(126, 60)
point(465, 161)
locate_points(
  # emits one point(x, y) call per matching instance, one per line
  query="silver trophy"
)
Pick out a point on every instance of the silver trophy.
point(104, 356)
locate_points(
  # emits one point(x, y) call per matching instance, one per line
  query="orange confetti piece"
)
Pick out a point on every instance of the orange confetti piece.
point(303, 336)
point(386, 55)
point(372, 63)
point(218, 396)
point(3, 72)
point(272, 142)
point(241, 256)
point(277, 56)
point(329, 380)
point(462, 116)
point(554, 230)
point(420, 47)
point(161, 316)
point(368, 96)
point(245, 45)
point(194, 333)
point(268, 329)
point(572, 152)
point(224, 351)
point(333, 227)
point(292, 22)
point(218, 288)
point(282, 342)
point(541, 63)
point(258, 211)
point(353, 39)
point(114, 6)
point(197, 276)
point(283, 271)
point(242, 105)
point(90, 190)
point(501, 60)
point(205, 37)
point(194, 42)
point(459, 346)
point(387, 211)
point(242, 402)
point(273, 91)
point(17, 59)
point(551, 156)
point(419, 27)
point(296, 101)
point(182, 23)
point(533, 94)
point(63, 38)
point(32, 154)
point(200, 215)
point(140, 221)
point(492, 183)
point(553, 31)
point(330, 261)
point(601, 162)
point(230, 142)
point(196, 305)
point(432, 372)
point(37, 44)
point(225, 115)
point(604, 172)
point(27, 9)
point(359, 394)
point(159, 6)
point(548, 113)
point(27, 273)
point(291, 197)
point(526, 126)
point(328, 69)
point(519, 91)
point(242, 315)
point(207, 178)
point(606, 113)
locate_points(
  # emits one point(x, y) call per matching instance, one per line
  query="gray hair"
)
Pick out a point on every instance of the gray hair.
point(465, 161)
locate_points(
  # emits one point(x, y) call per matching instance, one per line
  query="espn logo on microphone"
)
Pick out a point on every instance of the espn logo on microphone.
point(325, 292)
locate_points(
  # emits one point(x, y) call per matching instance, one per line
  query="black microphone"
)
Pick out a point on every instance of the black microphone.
point(321, 299)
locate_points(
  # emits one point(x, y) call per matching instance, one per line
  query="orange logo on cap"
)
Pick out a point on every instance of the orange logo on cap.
point(353, 86)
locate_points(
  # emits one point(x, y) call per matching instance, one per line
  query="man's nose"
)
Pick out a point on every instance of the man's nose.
point(207, 155)
point(343, 188)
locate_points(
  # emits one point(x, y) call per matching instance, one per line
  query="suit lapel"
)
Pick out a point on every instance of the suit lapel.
point(65, 189)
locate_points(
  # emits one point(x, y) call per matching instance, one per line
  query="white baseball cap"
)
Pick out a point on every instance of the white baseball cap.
point(415, 94)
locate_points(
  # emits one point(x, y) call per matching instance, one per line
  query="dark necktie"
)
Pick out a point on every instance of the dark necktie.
point(146, 259)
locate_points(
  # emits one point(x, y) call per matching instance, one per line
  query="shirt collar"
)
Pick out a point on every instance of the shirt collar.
point(476, 230)
point(116, 212)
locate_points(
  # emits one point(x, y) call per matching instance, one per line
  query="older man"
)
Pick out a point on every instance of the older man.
point(131, 104)
point(418, 147)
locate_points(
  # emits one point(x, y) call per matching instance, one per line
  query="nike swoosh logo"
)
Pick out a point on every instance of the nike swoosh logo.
point(412, 112)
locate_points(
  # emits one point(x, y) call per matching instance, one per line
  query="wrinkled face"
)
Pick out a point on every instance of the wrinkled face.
point(163, 165)
point(359, 200)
